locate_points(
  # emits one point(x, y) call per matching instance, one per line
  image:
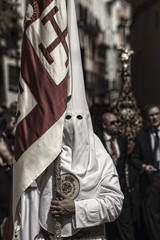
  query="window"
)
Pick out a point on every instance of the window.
point(13, 78)
point(156, 19)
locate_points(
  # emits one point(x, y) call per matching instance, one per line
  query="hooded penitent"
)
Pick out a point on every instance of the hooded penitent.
point(85, 165)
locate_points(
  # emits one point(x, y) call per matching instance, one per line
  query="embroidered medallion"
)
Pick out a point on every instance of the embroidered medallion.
point(70, 185)
point(32, 10)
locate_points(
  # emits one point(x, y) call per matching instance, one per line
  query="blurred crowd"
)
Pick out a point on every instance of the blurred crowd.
point(139, 172)
point(140, 183)
point(7, 128)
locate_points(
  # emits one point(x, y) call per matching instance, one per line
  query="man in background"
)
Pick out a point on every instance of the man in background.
point(146, 158)
point(116, 145)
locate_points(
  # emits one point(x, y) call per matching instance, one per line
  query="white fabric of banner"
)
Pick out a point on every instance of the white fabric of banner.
point(44, 88)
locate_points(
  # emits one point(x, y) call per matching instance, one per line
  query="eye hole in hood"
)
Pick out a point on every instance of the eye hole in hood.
point(79, 117)
point(68, 117)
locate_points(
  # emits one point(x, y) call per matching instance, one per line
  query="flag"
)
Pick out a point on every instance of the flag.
point(44, 86)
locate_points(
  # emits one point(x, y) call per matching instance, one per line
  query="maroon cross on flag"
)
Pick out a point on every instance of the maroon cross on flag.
point(43, 90)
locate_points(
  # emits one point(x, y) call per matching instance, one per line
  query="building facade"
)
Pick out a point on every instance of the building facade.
point(103, 28)
point(10, 59)
point(145, 36)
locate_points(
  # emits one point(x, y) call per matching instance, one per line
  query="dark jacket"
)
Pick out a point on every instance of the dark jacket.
point(142, 154)
point(122, 143)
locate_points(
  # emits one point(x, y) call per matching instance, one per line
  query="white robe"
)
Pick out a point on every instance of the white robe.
point(99, 200)
point(30, 226)
point(83, 155)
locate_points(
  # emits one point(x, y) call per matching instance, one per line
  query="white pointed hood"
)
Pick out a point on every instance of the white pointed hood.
point(78, 131)
point(78, 100)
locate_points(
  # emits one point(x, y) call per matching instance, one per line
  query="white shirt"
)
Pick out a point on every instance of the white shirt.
point(152, 135)
point(107, 138)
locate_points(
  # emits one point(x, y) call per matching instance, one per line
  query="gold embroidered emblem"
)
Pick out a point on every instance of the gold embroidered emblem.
point(70, 185)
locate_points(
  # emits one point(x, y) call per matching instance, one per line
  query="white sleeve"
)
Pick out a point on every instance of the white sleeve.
point(105, 208)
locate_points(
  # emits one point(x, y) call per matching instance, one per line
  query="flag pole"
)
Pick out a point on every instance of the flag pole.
point(56, 187)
